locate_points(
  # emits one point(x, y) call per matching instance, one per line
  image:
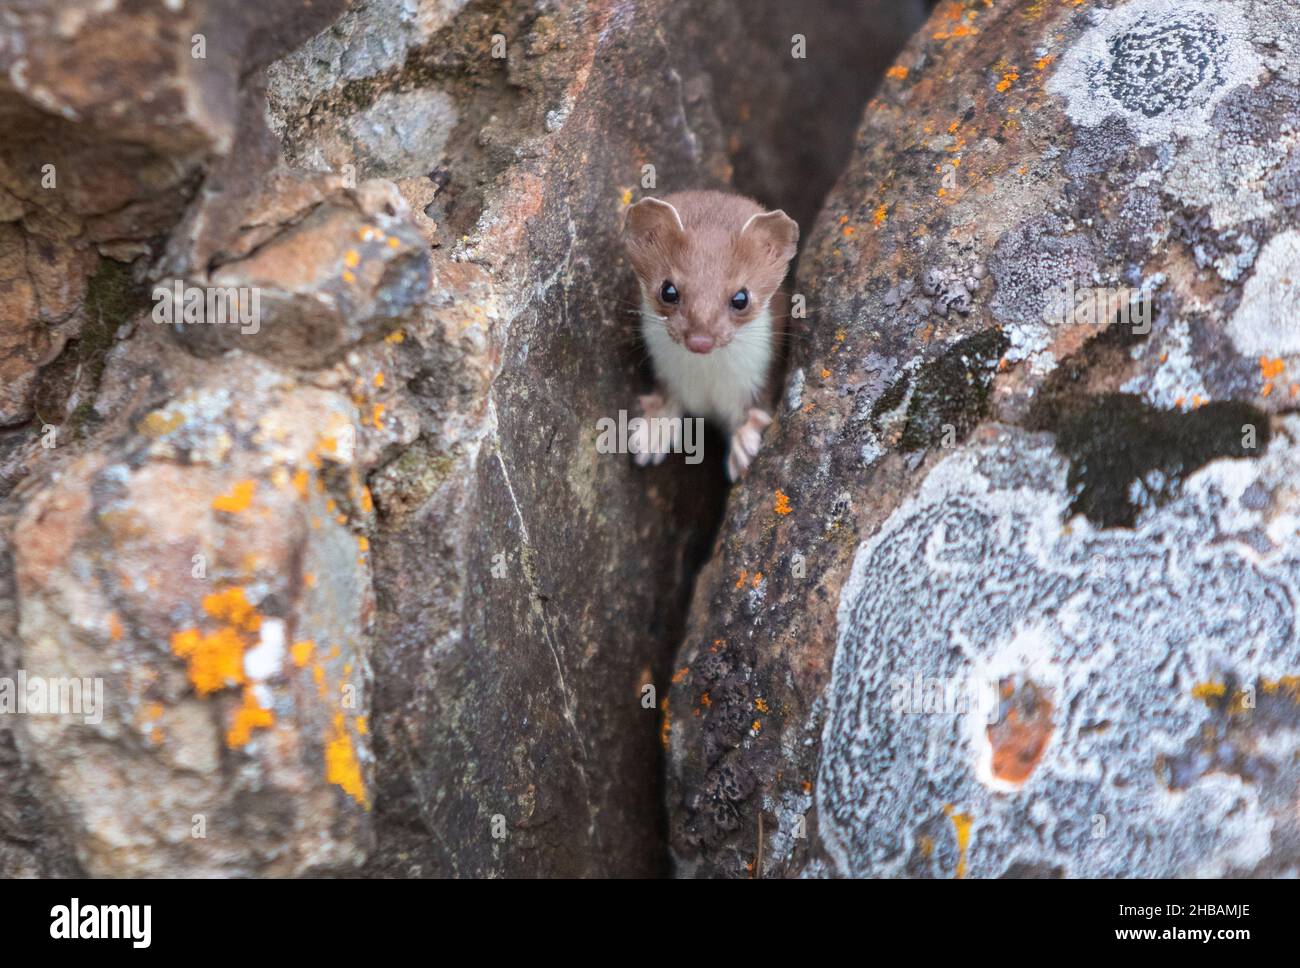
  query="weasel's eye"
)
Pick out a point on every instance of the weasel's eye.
point(668, 293)
point(740, 300)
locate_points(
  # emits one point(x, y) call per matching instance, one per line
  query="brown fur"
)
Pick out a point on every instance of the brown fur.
point(708, 258)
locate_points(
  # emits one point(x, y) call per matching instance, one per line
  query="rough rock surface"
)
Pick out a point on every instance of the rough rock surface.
point(1005, 594)
point(359, 587)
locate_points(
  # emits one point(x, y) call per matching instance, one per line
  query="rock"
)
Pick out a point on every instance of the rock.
point(1154, 753)
point(532, 586)
point(399, 468)
point(114, 115)
point(348, 269)
point(130, 461)
point(1009, 592)
point(222, 620)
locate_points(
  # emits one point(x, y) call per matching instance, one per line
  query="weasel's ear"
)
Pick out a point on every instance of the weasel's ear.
point(652, 219)
point(778, 232)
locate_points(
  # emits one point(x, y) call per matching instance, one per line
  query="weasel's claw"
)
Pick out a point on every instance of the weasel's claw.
point(746, 440)
point(648, 448)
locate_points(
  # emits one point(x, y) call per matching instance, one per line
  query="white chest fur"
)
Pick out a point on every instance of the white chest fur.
point(720, 386)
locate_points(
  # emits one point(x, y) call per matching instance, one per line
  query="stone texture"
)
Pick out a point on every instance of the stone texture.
point(399, 467)
point(1005, 596)
point(226, 618)
point(134, 470)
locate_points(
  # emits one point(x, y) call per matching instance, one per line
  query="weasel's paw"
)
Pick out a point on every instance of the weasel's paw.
point(648, 444)
point(745, 443)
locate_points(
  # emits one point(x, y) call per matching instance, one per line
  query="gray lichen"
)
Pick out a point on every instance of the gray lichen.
point(977, 579)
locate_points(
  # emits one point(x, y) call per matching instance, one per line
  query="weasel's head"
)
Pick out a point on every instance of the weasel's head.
point(708, 265)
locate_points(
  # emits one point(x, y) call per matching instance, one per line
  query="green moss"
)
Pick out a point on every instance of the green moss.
point(79, 418)
point(112, 298)
point(949, 392)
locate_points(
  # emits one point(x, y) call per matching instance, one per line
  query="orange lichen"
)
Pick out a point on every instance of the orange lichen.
point(237, 500)
point(233, 607)
point(782, 502)
point(1290, 684)
point(1009, 78)
point(342, 768)
point(214, 661)
point(681, 674)
point(248, 717)
point(880, 215)
point(961, 823)
point(760, 704)
point(1206, 691)
point(756, 580)
point(302, 652)
point(1270, 369)
point(666, 723)
point(362, 726)
point(396, 336)
point(114, 627)
point(744, 574)
point(897, 72)
point(352, 258)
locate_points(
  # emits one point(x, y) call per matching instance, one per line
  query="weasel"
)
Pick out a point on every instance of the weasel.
point(709, 266)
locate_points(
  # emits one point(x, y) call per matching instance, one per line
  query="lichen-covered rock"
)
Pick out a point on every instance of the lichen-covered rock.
point(426, 198)
point(1158, 664)
point(1009, 591)
point(204, 573)
point(186, 536)
point(348, 269)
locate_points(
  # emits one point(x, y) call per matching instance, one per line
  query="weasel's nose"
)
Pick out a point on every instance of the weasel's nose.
point(699, 343)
